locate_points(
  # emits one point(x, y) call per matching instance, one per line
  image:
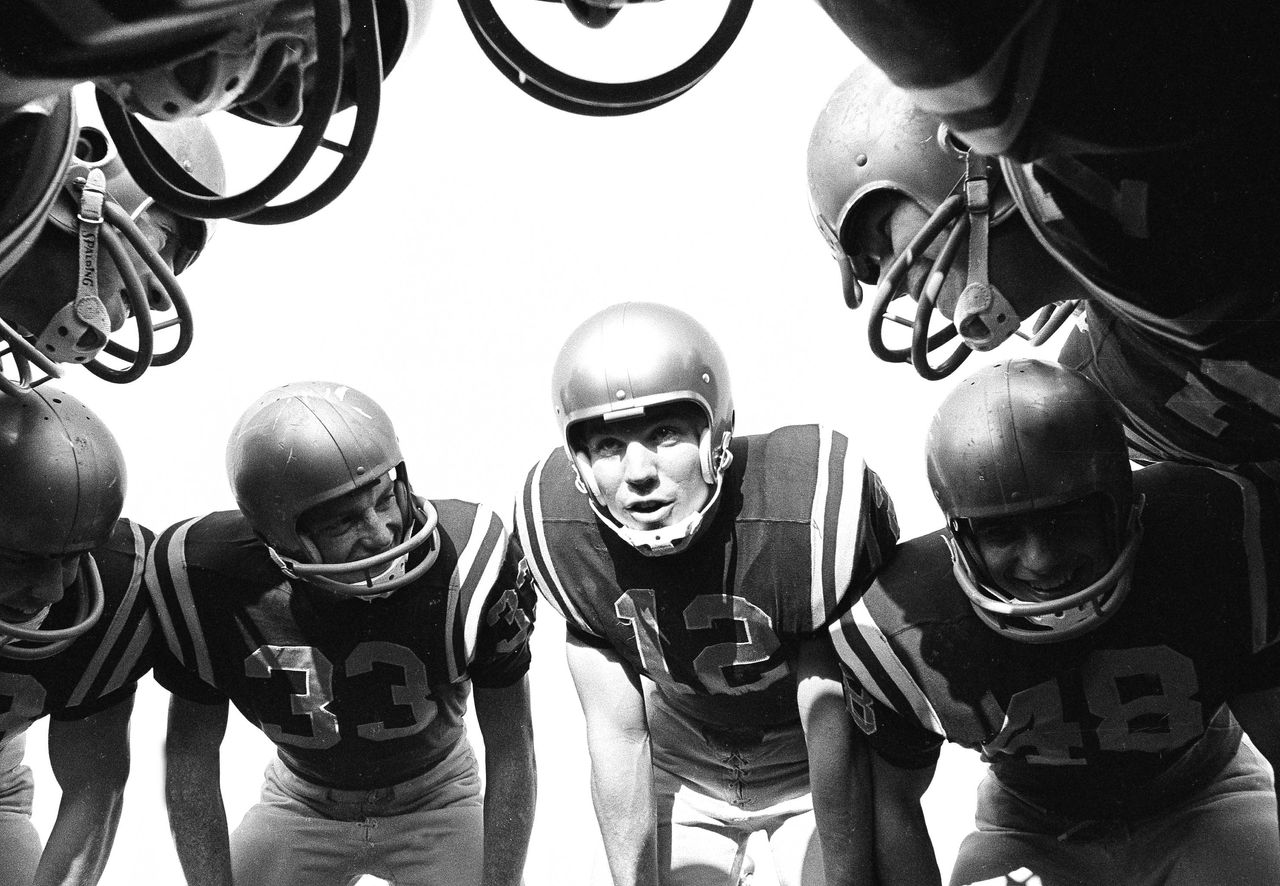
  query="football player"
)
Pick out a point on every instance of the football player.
point(1151, 186)
point(695, 572)
point(74, 631)
point(106, 252)
point(348, 619)
point(1194, 366)
point(1090, 630)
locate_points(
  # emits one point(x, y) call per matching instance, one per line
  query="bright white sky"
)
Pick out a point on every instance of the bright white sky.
point(482, 229)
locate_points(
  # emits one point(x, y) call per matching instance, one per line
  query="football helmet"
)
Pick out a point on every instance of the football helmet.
point(285, 66)
point(566, 92)
point(306, 443)
point(628, 358)
point(64, 484)
point(68, 294)
point(1023, 436)
point(36, 142)
point(870, 144)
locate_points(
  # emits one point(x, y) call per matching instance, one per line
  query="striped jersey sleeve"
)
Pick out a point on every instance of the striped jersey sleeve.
point(119, 650)
point(533, 517)
point(183, 664)
point(853, 527)
point(495, 606)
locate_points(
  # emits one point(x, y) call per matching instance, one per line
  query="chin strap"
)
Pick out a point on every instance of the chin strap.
point(1051, 621)
point(666, 539)
point(66, 337)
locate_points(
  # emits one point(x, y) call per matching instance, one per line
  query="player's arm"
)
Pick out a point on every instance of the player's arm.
point(904, 850)
point(1259, 715)
point(621, 769)
point(193, 790)
point(901, 760)
point(90, 759)
point(839, 772)
point(511, 779)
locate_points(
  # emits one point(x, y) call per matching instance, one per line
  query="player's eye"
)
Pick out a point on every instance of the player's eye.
point(604, 447)
point(997, 534)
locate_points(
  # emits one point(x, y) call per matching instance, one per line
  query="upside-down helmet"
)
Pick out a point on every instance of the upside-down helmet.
point(635, 356)
point(870, 144)
point(1022, 436)
point(303, 444)
point(106, 251)
point(558, 89)
point(294, 62)
point(64, 484)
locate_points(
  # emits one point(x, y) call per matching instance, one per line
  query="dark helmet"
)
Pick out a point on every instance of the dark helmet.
point(1023, 436)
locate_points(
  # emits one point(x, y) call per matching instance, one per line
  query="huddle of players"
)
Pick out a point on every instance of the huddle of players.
point(735, 607)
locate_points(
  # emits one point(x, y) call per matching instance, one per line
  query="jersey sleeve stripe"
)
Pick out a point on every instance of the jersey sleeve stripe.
point(864, 648)
point(492, 541)
point(128, 662)
point(822, 566)
point(1251, 525)
point(533, 538)
point(838, 540)
point(167, 571)
point(127, 612)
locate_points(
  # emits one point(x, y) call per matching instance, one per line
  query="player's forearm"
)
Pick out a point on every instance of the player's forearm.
point(198, 822)
point(839, 771)
point(904, 849)
point(622, 793)
point(80, 841)
point(842, 810)
point(511, 794)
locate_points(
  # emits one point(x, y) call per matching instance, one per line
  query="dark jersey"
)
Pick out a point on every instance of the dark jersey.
point(355, 693)
point(1181, 406)
point(102, 667)
point(1116, 721)
point(1139, 153)
point(801, 527)
point(1032, 78)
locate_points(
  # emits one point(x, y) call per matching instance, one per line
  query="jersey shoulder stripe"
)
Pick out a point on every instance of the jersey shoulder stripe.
point(170, 586)
point(811, 474)
point(120, 651)
point(865, 650)
point(480, 560)
point(854, 530)
point(542, 501)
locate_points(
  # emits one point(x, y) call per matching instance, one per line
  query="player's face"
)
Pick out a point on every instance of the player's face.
point(1046, 554)
point(648, 468)
point(359, 524)
point(29, 583)
point(885, 227)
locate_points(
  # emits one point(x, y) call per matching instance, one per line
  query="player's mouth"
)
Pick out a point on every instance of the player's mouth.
point(1051, 588)
point(649, 510)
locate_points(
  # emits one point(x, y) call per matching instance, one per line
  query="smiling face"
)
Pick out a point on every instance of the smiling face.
point(649, 468)
point(29, 583)
point(1047, 554)
point(359, 524)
